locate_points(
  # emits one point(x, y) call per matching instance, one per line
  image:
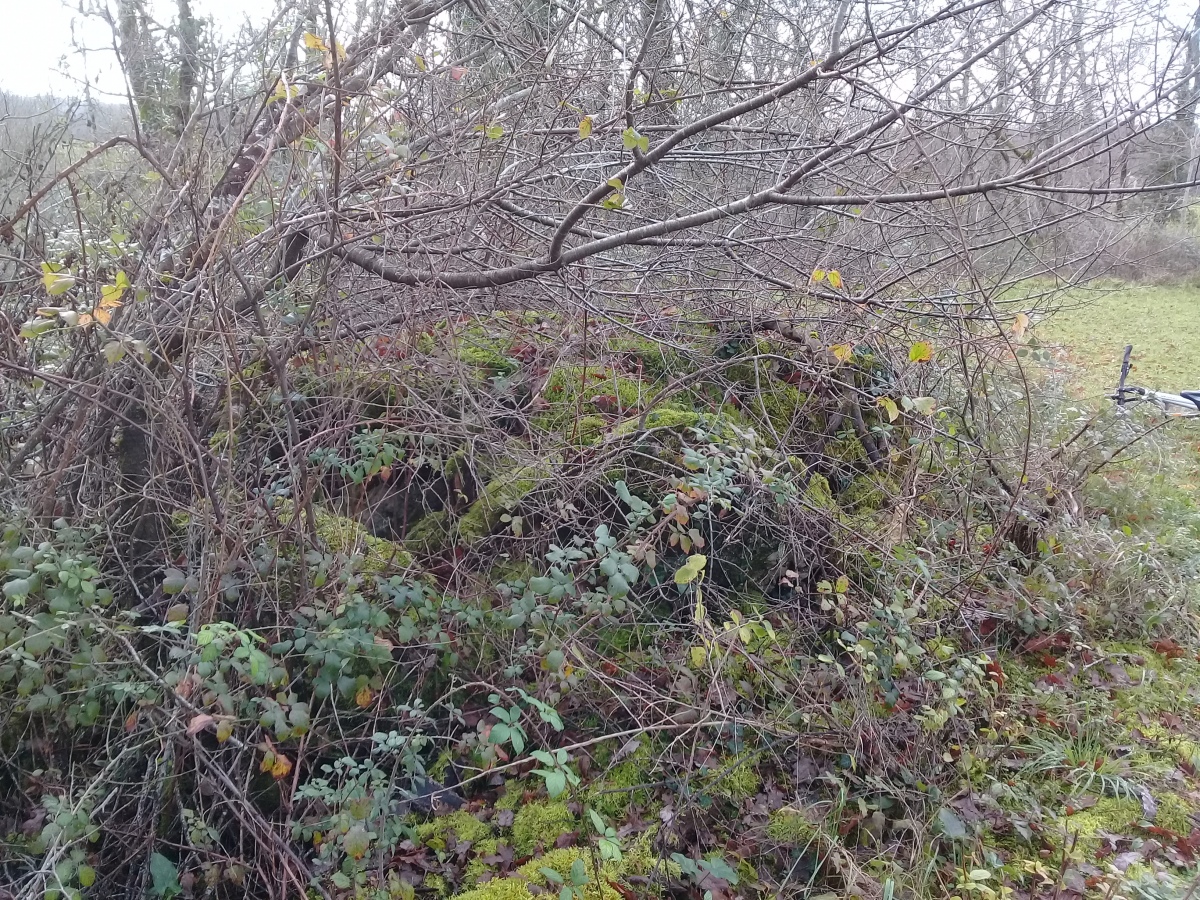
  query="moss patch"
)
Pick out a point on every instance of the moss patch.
point(461, 824)
point(540, 823)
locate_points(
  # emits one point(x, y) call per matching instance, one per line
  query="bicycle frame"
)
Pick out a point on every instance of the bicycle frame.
point(1184, 404)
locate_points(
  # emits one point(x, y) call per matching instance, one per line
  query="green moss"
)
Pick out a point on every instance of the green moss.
point(1107, 815)
point(818, 493)
point(656, 360)
point(502, 495)
point(791, 827)
point(342, 535)
point(431, 534)
point(463, 825)
point(476, 867)
point(736, 779)
point(667, 416)
point(561, 861)
point(868, 493)
point(436, 883)
point(619, 788)
point(778, 403)
point(540, 823)
point(1175, 814)
point(498, 889)
point(513, 796)
point(347, 537)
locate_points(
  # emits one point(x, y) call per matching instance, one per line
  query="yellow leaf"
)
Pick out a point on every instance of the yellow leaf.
point(842, 352)
point(921, 352)
point(363, 697)
point(224, 730)
point(835, 279)
point(690, 571)
point(585, 128)
point(818, 276)
point(103, 316)
point(281, 766)
point(888, 405)
point(84, 319)
point(110, 296)
point(699, 655)
point(420, 61)
point(313, 42)
point(1020, 324)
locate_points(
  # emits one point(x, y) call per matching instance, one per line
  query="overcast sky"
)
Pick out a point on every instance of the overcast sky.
point(40, 37)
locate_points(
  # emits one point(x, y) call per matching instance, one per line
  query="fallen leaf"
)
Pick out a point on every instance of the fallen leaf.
point(199, 723)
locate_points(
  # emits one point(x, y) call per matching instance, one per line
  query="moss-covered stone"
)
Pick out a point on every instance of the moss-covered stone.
point(346, 537)
point(540, 823)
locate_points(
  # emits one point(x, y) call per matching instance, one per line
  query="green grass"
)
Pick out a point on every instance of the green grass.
point(1162, 322)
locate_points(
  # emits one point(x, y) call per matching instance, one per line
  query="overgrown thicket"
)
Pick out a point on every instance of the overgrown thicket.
point(475, 450)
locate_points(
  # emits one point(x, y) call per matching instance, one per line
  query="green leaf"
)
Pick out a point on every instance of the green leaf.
point(18, 587)
point(690, 571)
point(613, 201)
point(888, 405)
point(56, 281)
point(618, 587)
point(643, 143)
point(165, 877)
point(173, 581)
point(551, 875)
point(578, 873)
point(631, 139)
point(86, 875)
point(113, 352)
point(494, 132)
point(926, 406)
point(597, 822)
point(556, 784)
point(585, 128)
point(951, 825)
point(35, 327)
point(617, 185)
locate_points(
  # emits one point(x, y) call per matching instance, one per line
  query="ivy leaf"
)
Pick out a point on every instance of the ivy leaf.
point(585, 128)
point(920, 352)
point(690, 571)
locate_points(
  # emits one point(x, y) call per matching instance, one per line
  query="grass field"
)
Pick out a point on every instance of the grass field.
point(1162, 323)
